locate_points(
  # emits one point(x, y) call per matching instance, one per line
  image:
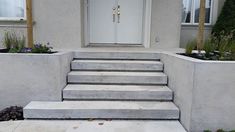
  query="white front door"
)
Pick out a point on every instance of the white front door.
point(115, 21)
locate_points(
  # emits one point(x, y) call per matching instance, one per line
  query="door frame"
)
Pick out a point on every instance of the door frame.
point(146, 34)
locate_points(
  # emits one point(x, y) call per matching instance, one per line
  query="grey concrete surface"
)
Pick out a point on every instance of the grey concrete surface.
point(117, 92)
point(117, 65)
point(120, 55)
point(27, 77)
point(204, 91)
point(117, 77)
point(91, 126)
point(101, 110)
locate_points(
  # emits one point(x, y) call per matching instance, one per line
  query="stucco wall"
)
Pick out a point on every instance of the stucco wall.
point(203, 91)
point(55, 21)
point(58, 22)
point(166, 22)
point(27, 77)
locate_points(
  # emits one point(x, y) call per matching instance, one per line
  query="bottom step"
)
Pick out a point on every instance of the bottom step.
point(101, 110)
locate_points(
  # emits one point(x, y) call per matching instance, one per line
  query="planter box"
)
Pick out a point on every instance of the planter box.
point(27, 77)
point(204, 91)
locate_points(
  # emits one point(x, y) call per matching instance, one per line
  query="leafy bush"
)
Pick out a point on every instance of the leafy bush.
point(226, 20)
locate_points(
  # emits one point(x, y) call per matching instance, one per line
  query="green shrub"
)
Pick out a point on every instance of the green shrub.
point(190, 47)
point(226, 20)
point(225, 46)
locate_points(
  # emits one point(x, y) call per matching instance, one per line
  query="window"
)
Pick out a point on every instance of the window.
point(191, 10)
point(12, 9)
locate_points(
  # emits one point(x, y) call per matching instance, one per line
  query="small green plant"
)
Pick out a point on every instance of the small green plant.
point(209, 47)
point(13, 42)
point(7, 41)
point(18, 44)
point(190, 47)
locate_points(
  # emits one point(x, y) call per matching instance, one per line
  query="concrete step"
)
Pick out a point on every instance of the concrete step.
point(116, 55)
point(117, 92)
point(88, 77)
point(117, 65)
point(101, 110)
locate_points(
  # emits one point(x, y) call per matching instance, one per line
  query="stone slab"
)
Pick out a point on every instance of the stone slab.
point(117, 65)
point(117, 55)
point(117, 77)
point(117, 92)
point(101, 110)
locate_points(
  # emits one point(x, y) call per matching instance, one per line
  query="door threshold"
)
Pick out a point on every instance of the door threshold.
point(115, 45)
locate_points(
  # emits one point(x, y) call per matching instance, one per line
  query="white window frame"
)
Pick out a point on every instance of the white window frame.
point(15, 18)
point(192, 18)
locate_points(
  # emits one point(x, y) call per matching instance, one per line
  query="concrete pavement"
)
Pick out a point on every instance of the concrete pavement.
point(90, 126)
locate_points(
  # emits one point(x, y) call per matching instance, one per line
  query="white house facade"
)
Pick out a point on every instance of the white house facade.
point(75, 24)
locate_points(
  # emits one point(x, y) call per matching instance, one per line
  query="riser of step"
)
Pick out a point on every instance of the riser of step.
point(117, 55)
point(117, 92)
point(117, 65)
point(150, 78)
point(101, 110)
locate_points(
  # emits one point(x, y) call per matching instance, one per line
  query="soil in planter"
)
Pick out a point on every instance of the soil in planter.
point(4, 50)
point(214, 57)
point(7, 51)
point(11, 113)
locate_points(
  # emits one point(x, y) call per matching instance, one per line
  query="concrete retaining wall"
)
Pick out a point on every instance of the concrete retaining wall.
point(27, 77)
point(204, 91)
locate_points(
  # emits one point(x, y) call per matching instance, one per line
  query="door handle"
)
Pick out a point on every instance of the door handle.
point(114, 14)
point(119, 13)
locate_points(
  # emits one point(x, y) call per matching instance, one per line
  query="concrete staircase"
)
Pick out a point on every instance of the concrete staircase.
point(111, 85)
